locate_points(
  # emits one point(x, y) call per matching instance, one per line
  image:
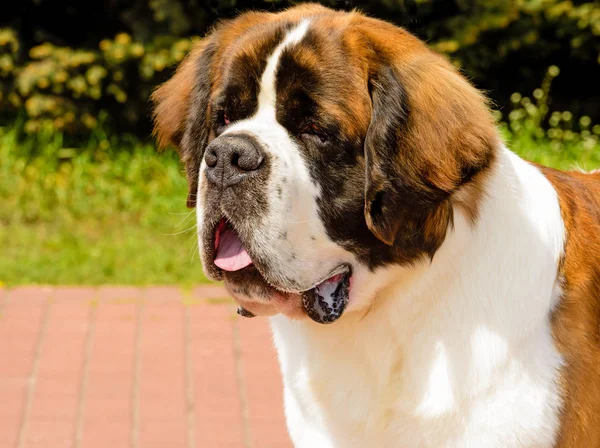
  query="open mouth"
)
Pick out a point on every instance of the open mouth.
point(324, 303)
point(230, 253)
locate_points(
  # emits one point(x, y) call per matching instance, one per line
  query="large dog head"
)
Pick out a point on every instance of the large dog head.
point(321, 147)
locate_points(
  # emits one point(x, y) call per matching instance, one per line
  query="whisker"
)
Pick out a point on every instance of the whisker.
point(193, 236)
point(194, 250)
point(183, 231)
point(184, 219)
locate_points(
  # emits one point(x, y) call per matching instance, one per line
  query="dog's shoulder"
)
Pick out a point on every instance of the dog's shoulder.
point(576, 320)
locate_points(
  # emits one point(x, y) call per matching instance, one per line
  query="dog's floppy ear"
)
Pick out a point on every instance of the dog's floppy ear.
point(182, 104)
point(388, 119)
point(430, 133)
point(181, 108)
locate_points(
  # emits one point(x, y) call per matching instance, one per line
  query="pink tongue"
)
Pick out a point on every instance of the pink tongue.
point(231, 254)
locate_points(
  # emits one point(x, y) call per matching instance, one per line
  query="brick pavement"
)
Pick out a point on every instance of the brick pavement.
point(135, 367)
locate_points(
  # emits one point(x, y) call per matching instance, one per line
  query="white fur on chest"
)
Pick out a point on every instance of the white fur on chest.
point(456, 353)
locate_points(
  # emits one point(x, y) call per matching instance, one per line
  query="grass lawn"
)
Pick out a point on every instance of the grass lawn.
point(93, 215)
point(113, 212)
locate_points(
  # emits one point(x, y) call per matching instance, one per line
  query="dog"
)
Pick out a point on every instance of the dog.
point(426, 286)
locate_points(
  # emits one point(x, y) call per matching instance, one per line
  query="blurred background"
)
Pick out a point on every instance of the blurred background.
point(86, 199)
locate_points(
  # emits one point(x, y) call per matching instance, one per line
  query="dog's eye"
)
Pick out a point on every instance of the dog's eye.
point(313, 129)
point(222, 121)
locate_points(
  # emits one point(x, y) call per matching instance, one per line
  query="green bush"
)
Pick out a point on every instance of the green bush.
point(72, 89)
point(100, 69)
point(555, 139)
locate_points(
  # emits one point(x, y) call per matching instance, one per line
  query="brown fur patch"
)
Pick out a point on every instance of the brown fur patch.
point(171, 100)
point(470, 195)
point(576, 321)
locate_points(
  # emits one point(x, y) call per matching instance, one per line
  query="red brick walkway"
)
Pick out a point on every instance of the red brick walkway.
point(119, 367)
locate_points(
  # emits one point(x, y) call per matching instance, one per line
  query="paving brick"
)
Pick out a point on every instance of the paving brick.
point(163, 431)
point(216, 393)
point(106, 432)
point(9, 430)
point(16, 367)
point(21, 324)
point(53, 432)
point(28, 295)
point(211, 293)
point(172, 351)
point(117, 408)
point(56, 388)
point(49, 407)
point(54, 401)
point(162, 379)
point(164, 294)
point(264, 390)
point(110, 369)
point(108, 386)
point(12, 399)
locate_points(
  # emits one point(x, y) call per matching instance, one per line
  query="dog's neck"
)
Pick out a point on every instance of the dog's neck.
point(443, 336)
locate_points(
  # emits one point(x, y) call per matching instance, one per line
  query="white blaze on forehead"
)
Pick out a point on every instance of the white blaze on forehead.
point(268, 92)
point(263, 124)
point(293, 238)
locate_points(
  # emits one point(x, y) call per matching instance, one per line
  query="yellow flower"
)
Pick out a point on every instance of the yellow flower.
point(104, 44)
point(61, 76)
point(14, 99)
point(43, 83)
point(119, 53)
point(449, 46)
point(137, 50)
point(41, 51)
point(553, 71)
point(88, 121)
point(31, 126)
point(32, 106)
point(123, 38)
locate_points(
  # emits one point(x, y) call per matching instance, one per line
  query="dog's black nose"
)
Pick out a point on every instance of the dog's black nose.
point(232, 158)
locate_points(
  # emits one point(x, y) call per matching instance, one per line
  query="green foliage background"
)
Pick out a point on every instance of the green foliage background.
point(77, 65)
point(86, 199)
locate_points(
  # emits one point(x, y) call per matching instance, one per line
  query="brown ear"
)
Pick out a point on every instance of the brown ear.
point(430, 133)
point(178, 102)
point(171, 100)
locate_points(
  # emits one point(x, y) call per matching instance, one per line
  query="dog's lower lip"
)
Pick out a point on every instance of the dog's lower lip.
point(325, 303)
point(340, 270)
